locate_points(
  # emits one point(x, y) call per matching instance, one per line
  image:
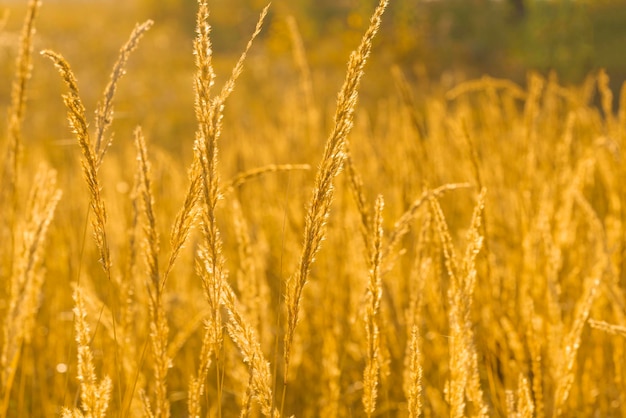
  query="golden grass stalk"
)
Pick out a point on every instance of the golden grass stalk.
point(158, 323)
point(306, 84)
point(197, 383)
point(18, 106)
point(356, 186)
point(209, 112)
point(185, 219)
point(246, 176)
point(93, 154)
point(464, 376)
point(151, 241)
point(571, 344)
point(421, 272)
point(484, 83)
point(94, 396)
point(27, 277)
point(606, 96)
point(210, 261)
point(372, 320)
point(606, 327)
point(332, 161)
point(78, 123)
point(247, 340)
point(402, 225)
point(565, 373)
point(414, 393)
point(525, 406)
point(104, 112)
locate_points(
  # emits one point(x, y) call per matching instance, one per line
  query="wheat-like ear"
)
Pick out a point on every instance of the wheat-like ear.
point(464, 380)
point(332, 161)
point(158, 323)
point(415, 374)
point(78, 123)
point(185, 218)
point(104, 112)
point(209, 112)
point(248, 342)
point(94, 396)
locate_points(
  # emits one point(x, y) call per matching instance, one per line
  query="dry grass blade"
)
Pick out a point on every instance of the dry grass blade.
point(331, 164)
point(104, 112)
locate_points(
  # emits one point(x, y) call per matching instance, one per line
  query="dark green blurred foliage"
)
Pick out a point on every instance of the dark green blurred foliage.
point(466, 38)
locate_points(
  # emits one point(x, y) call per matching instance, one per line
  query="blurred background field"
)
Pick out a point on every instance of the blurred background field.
point(436, 44)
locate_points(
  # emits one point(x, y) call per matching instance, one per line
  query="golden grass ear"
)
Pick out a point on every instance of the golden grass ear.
point(372, 320)
point(332, 162)
point(464, 383)
point(158, 321)
point(210, 263)
point(78, 123)
point(104, 112)
point(95, 397)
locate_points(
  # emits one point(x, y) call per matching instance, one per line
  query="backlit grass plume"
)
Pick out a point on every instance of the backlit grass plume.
point(332, 162)
point(94, 395)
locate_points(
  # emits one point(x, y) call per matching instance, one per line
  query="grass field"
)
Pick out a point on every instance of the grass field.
point(212, 237)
